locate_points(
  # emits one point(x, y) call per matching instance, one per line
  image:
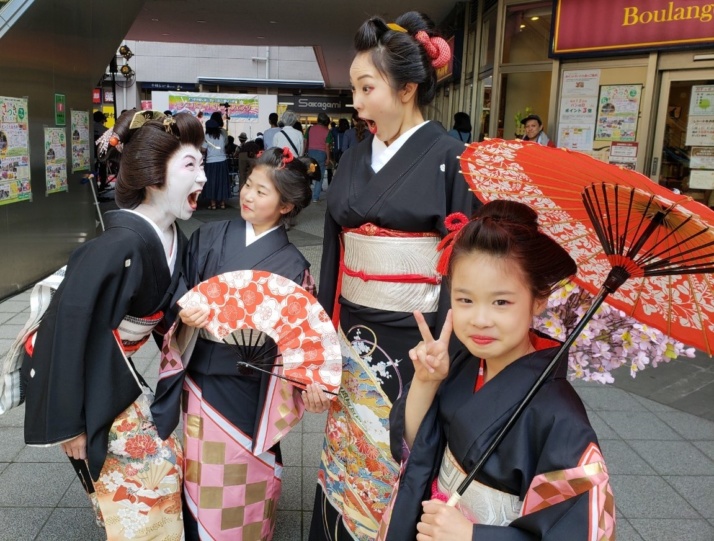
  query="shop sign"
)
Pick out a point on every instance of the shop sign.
point(589, 26)
point(60, 109)
point(316, 104)
point(179, 87)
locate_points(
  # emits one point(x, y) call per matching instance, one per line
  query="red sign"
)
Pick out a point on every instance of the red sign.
point(584, 26)
point(97, 95)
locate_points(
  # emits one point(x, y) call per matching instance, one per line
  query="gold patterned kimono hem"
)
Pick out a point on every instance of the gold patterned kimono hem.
point(138, 493)
point(357, 472)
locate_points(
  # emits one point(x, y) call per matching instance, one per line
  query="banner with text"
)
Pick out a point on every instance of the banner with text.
point(242, 107)
point(623, 25)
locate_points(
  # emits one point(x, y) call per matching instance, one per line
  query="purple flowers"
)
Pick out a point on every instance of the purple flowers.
point(610, 340)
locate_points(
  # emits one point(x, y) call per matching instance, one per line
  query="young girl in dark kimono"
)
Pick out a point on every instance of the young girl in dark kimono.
point(233, 477)
point(547, 479)
point(83, 392)
point(385, 217)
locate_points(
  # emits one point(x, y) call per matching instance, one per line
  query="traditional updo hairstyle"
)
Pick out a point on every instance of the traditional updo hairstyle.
point(398, 55)
point(145, 151)
point(509, 230)
point(290, 178)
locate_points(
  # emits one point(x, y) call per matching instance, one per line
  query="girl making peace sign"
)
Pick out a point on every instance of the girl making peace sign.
point(547, 479)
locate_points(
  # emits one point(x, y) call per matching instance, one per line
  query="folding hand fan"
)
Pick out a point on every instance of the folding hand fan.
point(247, 305)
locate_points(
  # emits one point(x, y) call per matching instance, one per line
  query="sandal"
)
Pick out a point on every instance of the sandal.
point(223, 205)
point(211, 207)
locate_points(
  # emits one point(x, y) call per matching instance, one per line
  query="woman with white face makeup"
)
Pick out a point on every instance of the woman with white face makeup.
point(83, 392)
point(385, 217)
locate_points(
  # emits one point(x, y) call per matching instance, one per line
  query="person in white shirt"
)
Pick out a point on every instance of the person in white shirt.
point(269, 134)
point(288, 136)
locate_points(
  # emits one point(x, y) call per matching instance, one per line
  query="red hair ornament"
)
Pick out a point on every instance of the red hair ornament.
point(454, 222)
point(436, 47)
point(287, 157)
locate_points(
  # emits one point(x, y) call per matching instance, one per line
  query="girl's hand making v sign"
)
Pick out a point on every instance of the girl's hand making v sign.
point(431, 357)
point(431, 366)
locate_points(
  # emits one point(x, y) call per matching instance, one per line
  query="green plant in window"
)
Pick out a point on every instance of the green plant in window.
point(519, 129)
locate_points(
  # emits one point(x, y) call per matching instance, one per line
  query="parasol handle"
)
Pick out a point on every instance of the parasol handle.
point(454, 499)
point(604, 292)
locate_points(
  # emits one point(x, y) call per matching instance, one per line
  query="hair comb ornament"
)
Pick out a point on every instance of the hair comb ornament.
point(107, 139)
point(436, 47)
point(397, 28)
point(287, 157)
point(169, 124)
point(142, 117)
point(311, 168)
point(454, 223)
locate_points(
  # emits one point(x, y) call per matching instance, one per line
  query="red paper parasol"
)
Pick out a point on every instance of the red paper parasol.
point(245, 304)
point(646, 250)
point(606, 217)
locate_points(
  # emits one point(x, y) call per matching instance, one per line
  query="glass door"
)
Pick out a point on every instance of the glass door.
point(683, 156)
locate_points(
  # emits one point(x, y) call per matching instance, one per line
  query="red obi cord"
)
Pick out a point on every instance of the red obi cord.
point(372, 230)
point(400, 278)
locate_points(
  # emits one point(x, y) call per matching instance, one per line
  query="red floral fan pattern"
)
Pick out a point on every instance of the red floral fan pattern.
point(283, 310)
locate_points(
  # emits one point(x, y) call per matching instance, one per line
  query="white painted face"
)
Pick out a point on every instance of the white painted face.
point(185, 179)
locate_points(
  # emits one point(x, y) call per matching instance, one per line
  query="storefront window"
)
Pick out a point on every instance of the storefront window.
point(488, 42)
point(471, 52)
point(527, 33)
point(522, 94)
point(484, 88)
point(688, 145)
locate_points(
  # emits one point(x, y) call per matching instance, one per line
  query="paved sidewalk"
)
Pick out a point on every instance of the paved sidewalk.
point(656, 431)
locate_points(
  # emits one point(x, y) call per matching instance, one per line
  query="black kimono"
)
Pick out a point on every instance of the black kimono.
point(549, 468)
point(410, 195)
point(214, 387)
point(77, 380)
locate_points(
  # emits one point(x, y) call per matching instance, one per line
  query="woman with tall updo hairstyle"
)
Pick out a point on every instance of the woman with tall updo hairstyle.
point(385, 217)
point(212, 386)
point(82, 391)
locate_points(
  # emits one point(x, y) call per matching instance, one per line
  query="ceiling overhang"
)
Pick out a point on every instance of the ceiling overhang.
point(328, 27)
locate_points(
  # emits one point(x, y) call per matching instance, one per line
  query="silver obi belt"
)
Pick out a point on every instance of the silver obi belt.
point(392, 273)
point(133, 332)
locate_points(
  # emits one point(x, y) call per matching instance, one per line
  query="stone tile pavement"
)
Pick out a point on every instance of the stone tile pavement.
point(656, 431)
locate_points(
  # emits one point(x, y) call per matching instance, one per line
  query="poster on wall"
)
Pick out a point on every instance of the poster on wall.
point(55, 160)
point(244, 108)
point(618, 111)
point(700, 128)
point(578, 109)
point(14, 151)
point(79, 126)
point(701, 158)
point(624, 154)
point(575, 137)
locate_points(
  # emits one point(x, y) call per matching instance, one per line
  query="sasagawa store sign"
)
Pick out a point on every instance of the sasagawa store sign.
point(588, 26)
